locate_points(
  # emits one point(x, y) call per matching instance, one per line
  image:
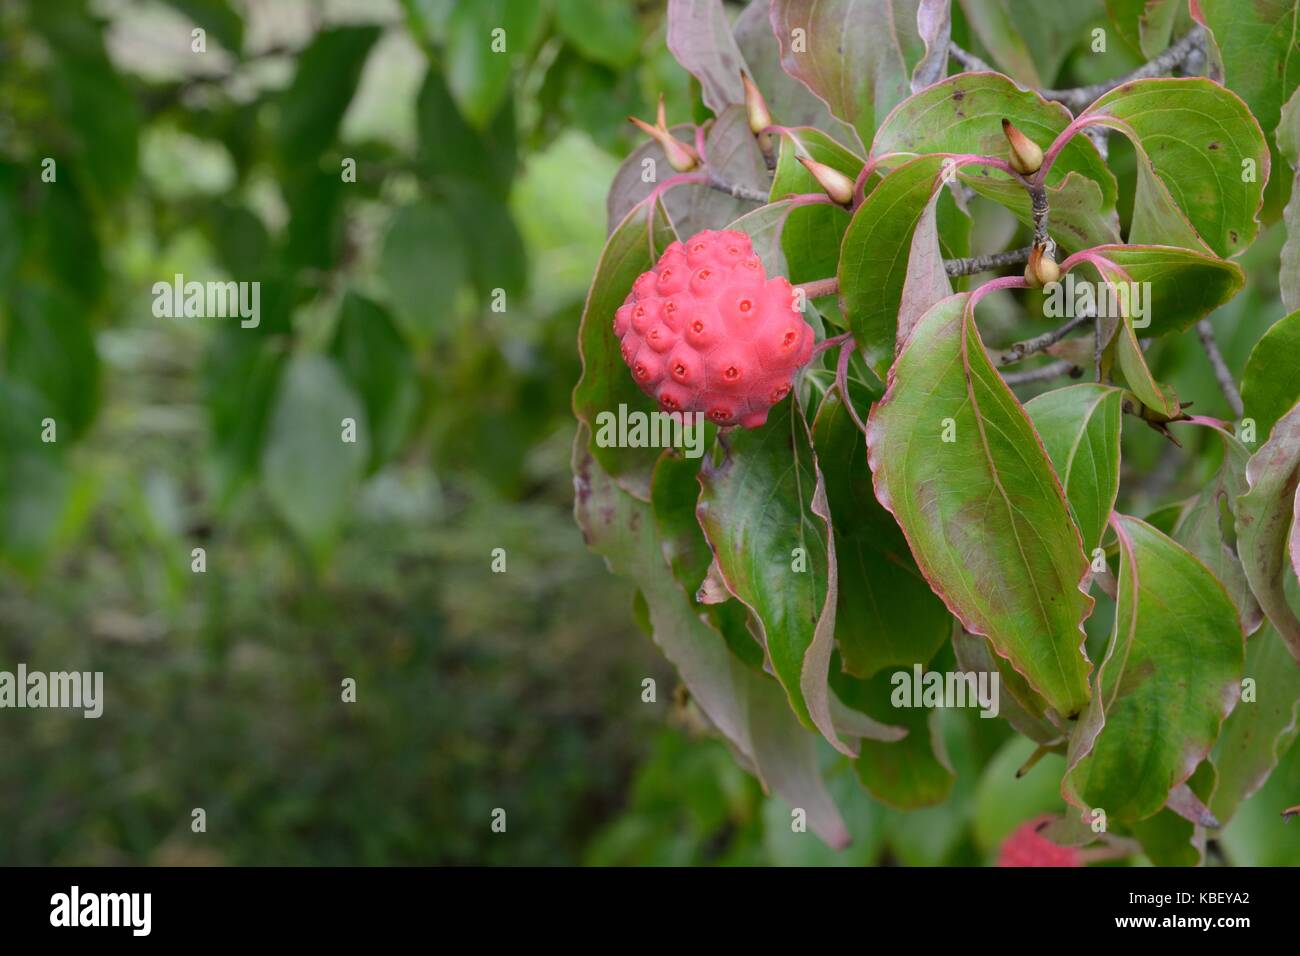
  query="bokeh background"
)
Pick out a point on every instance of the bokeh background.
point(480, 180)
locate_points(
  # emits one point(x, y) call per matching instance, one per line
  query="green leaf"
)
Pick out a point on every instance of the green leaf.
point(984, 514)
point(991, 21)
point(1269, 385)
point(217, 18)
point(812, 234)
point(493, 248)
point(674, 492)
point(746, 708)
point(891, 269)
point(601, 30)
point(763, 510)
point(312, 108)
point(451, 149)
point(1080, 429)
point(1018, 704)
point(37, 486)
point(97, 107)
point(1198, 138)
point(1261, 64)
point(50, 347)
point(377, 364)
point(841, 53)
point(1257, 732)
point(1146, 25)
point(309, 472)
point(241, 375)
point(1184, 285)
point(423, 266)
point(699, 37)
point(963, 115)
point(1205, 526)
point(885, 613)
point(606, 382)
point(905, 774)
point(484, 40)
point(1264, 518)
point(1166, 683)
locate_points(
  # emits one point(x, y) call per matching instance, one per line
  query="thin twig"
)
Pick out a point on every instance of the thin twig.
point(1227, 384)
point(1038, 343)
point(969, 60)
point(1053, 370)
point(1038, 204)
point(735, 190)
point(1077, 98)
point(977, 264)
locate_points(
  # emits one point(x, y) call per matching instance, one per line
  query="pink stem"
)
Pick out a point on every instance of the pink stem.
point(1076, 126)
point(820, 287)
point(993, 285)
point(830, 343)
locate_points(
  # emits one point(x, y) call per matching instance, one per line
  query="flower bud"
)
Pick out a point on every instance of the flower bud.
point(1041, 269)
point(681, 157)
point(1026, 156)
point(759, 117)
point(838, 186)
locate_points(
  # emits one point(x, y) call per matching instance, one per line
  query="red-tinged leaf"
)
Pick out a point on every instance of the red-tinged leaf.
point(886, 615)
point(1288, 143)
point(856, 55)
point(1017, 703)
point(1261, 726)
point(763, 510)
point(1264, 519)
point(1197, 139)
point(1200, 525)
point(699, 36)
point(906, 774)
point(789, 101)
point(1168, 679)
point(1261, 63)
point(934, 24)
point(606, 383)
point(745, 707)
point(1080, 429)
point(1184, 285)
point(732, 154)
point(891, 267)
point(1269, 385)
point(984, 514)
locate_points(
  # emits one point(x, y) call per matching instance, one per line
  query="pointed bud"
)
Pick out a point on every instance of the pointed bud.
point(1026, 156)
point(1041, 269)
point(661, 117)
point(838, 186)
point(681, 157)
point(759, 117)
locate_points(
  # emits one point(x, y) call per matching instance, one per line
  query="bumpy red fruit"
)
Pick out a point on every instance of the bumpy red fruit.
point(1027, 847)
point(707, 331)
